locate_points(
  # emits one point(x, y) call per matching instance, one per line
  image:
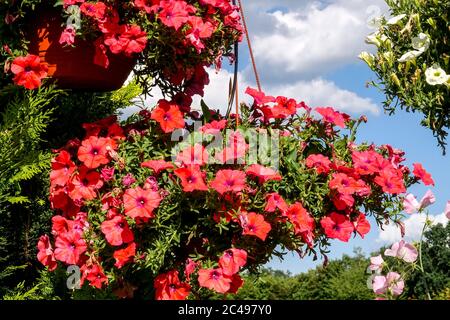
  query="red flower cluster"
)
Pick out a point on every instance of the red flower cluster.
point(128, 39)
point(125, 199)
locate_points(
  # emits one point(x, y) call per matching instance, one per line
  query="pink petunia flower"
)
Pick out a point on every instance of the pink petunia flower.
point(411, 205)
point(402, 250)
point(376, 263)
point(447, 210)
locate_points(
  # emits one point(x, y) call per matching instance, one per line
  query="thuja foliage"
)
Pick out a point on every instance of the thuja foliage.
point(32, 123)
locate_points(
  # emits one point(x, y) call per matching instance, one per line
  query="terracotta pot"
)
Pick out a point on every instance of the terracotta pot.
point(74, 68)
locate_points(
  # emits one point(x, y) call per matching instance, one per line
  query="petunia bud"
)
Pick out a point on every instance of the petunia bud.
point(395, 79)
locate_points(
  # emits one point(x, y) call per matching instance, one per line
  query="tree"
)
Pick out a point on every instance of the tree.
point(341, 279)
point(436, 263)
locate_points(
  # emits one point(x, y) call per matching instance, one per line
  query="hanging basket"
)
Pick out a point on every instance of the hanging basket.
point(74, 67)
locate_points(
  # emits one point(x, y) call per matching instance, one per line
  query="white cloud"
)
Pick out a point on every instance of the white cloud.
point(309, 40)
point(315, 93)
point(413, 228)
point(319, 92)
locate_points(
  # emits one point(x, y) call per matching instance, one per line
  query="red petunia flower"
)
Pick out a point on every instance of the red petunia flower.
point(198, 30)
point(157, 165)
point(140, 203)
point(368, 162)
point(61, 225)
point(72, 2)
point(213, 127)
point(362, 226)
point(94, 10)
point(264, 174)
point(346, 184)
point(29, 71)
point(193, 155)
point(337, 226)
point(304, 223)
point(214, 279)
point(232, 260)
point(331, 116)
point(422, 174)
point(59, 199)
point(236, 283)
point(124, 256)
point(320, 162)
point(275, 201)
point(391, 181)
point(204, 29)
point(62, 169)
point(94, 151)
point(85, 184)
point(112, 38)
point(253, 224)
point(133, 40)
point(283, 108)
point(150, 6)
point(343, 201)
point(117, 231)
point(259, 96)
point(191, 179)
point(228, 181)
point(169, 287)
point(168, 115)
point(175, 13)
point(69, 247)
point(94, 274)
point(45, 254)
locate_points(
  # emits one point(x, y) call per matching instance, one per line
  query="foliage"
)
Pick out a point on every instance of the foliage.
point(341, 279)
point(413, 62)
point(42, 290)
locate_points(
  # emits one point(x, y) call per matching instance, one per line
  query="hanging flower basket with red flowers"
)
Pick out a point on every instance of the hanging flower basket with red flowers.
point(142, 214)
point(94, 45)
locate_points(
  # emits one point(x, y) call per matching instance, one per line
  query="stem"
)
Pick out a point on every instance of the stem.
point(420, 258)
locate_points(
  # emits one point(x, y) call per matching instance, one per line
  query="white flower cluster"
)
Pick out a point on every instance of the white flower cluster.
point(421, 43)
point(434, 75)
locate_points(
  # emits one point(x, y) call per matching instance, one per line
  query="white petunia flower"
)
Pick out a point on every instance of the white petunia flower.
point(421, 42)
point(410, 55)
point(396, 19)
point(435, 75)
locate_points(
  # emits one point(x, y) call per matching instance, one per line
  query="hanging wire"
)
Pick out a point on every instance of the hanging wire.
point(252, 56)
point(234, 88)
